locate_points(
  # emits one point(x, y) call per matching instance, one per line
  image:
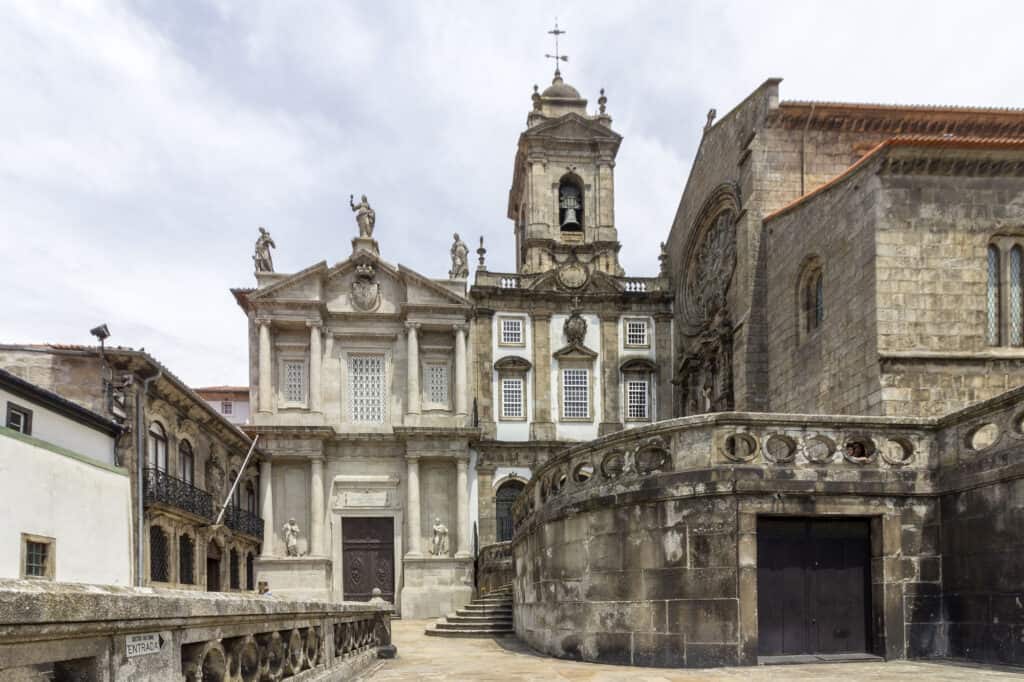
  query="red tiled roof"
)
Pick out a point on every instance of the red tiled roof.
point(924, 108)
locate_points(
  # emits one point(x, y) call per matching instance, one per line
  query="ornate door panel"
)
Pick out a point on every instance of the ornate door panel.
point(368, 557)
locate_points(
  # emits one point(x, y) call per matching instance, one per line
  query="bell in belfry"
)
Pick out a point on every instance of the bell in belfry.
point(569, 202)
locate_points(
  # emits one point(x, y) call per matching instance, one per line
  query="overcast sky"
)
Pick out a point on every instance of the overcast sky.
point(143, 144)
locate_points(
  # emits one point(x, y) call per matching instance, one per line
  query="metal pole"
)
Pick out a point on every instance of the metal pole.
point(241, 470)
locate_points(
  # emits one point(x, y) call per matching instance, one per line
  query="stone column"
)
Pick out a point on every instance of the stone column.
point(462, 505)
point(267, 507)
point(316, 506)
point(611, 420)
point(460, 370)
point(412, 382)
point(315, 363)
point(265, 390)
point(665, 361)
point(542, 428)
point(488, 528)
point(412, 505)
point(484, 357)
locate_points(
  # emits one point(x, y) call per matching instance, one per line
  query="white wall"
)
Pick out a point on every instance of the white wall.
point(512, 430)
point(60, 430)
point(239, 410)
point(86, 507)
point(572, 430)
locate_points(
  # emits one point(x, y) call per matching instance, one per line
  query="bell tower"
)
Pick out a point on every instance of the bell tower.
point(562, 199)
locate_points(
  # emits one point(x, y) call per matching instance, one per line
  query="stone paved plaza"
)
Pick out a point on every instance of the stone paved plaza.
point(424, 658)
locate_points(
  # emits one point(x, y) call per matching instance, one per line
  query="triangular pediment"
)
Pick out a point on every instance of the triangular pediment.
point(573, 127)
point(575, 351)
point(303, 285)
point(425, 291)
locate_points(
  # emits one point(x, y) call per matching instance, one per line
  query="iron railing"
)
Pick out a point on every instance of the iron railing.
point(243, 521)
point(162, 488)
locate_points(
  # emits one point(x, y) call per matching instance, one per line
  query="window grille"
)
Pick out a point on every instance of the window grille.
point(366, 388)
point(36, 559)
point(575, 393)
point(636, 333)
point(186, 560)
point(234, 569)
point(992, 331)
point(249, 571)
point(512, 332)
point(158, 569)
point(187, 462)
point(294, 381)
point(437, 384)
point(512, 398)
point(1016, 299)
point(637, 399)
point(226, 407)
point(19, 419)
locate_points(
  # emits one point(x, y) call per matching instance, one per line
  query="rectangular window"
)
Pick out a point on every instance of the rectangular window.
point(366, 388)
point(575, 393)
point(226, 407)
point(637, 399)
point(19, 419)
point(294, 381)
point(437, 384)
point(512, 398)
point(511, 331)
point(37, 556)
point(636, 333)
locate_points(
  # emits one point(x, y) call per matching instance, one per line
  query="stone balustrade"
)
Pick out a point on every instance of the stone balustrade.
point(515, 280)
point(75, 631)
point(495, 568)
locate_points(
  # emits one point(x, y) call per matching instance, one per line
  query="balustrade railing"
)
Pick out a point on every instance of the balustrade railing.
point(243, 521)
point(162, 488)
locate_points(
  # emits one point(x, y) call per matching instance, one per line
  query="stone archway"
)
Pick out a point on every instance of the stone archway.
point(503, 500)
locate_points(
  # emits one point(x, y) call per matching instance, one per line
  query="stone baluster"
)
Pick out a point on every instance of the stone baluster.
point(264, 378)
point(460, 370)
point(316, 506)
point(412, 505)
point(315, 364)
point(267, 507)
point(462, 505)
point(413, 378)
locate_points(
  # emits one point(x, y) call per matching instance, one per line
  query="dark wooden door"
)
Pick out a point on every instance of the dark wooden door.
point(813, 586)
point(368, 557)
point(503, 501)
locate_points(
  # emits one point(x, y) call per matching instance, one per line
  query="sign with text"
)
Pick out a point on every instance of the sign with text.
point(366, 498)
point(141, 645)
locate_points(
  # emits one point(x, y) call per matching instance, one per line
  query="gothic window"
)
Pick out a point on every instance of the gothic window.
point(992, 295)
point(1016, 299)
point(294, 381)
point(234, 566)
point(186, 462)
point(512, 397)
point(503, 500)
point(158, 560)
point(186, 560)
point(575, 393)
point(1004, 293)
point(437, 384)
point(366, 388)
point(570, 204)
point(249, 573)
point(636, 334)
point(156, 455)
point(511, 331)
point(811, 297)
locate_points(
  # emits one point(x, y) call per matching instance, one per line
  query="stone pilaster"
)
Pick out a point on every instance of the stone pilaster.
point(460, 370)
point(315, 364)
point(267, 507)
point(412, 505)
point(316, 506)
point(462, 505)
point(412, 382)
point(265, 384)
point(542, 427)
point(611, 420)
point(484, 358)
point(488, 528)
point(664, 359)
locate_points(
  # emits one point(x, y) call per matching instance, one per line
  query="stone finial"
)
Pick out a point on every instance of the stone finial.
point(262, 258)
point(536, 98)
point(663, 261)
point(711, 119)
point(481, 252)
point(602, 102)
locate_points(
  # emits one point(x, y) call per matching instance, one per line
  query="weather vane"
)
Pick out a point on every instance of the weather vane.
point(557, 56)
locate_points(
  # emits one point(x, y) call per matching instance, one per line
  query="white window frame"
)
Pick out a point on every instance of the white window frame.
point(286, 360)
point(227, 407)
point(351, 360)
point(630, 382)
point(587, 385)
point(428, 397)
point(502, 339)
point(23, 415)
point(646, 341)
point(512, 379)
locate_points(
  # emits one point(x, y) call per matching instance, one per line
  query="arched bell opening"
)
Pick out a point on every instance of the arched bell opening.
point(570, 204)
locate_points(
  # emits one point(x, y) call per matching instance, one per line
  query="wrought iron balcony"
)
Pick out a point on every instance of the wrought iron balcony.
point(243, 521)
point(162, 488)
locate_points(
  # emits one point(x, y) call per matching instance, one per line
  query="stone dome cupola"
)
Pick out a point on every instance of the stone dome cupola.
point(556, 100)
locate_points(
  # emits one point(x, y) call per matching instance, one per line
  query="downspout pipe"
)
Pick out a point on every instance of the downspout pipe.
point(140, 460)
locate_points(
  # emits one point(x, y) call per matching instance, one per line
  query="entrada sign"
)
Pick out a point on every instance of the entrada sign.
point(140, 645)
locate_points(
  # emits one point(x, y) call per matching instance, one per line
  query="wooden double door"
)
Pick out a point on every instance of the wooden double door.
point(813, 586)
point(368, 557)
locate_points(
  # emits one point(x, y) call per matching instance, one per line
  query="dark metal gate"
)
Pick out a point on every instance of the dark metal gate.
point(503, 501)
point(368, 557)
point(813, 589)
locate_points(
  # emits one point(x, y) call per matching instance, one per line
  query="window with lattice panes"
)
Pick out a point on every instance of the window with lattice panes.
point(38, 556)
point(437, 383)
point(226, 407)
point(575, 393)
point(511, 331)
point(512, 398)
point(294, 381)
point(636, 333)
point(366, 390)
point(638, 399)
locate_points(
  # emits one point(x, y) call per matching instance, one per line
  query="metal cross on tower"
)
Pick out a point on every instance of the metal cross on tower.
point(557, 56)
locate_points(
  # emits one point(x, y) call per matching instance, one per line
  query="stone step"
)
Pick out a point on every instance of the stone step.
point(480, 619)
point(432, 632)
point(488, 607)
point(482, 627)
point(489, 600)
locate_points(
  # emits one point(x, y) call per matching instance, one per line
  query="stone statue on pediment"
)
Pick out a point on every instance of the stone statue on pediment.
point(261, 258)
point(439, 544)
point(366, 217)
point(460, 259)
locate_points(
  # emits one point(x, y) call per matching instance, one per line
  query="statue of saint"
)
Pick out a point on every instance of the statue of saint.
point(460, 259)
point(439, 545)
point(291, 537)
point(262, 259)
point(365, 216)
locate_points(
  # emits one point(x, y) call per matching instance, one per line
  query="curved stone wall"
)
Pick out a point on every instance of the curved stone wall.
point(640, 547)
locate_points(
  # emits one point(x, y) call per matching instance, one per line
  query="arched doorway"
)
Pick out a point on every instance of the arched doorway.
point(212, 567)
point(506, 495)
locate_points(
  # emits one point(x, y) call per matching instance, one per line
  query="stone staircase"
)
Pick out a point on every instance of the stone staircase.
point(487, 616)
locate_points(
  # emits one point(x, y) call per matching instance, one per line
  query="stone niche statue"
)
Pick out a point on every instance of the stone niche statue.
point(291, 537)
point(439, 545)
point(460, 259)
point(261, 258)
point(366, 217)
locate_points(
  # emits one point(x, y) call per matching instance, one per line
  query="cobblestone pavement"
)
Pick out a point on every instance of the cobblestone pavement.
point(432, 658)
